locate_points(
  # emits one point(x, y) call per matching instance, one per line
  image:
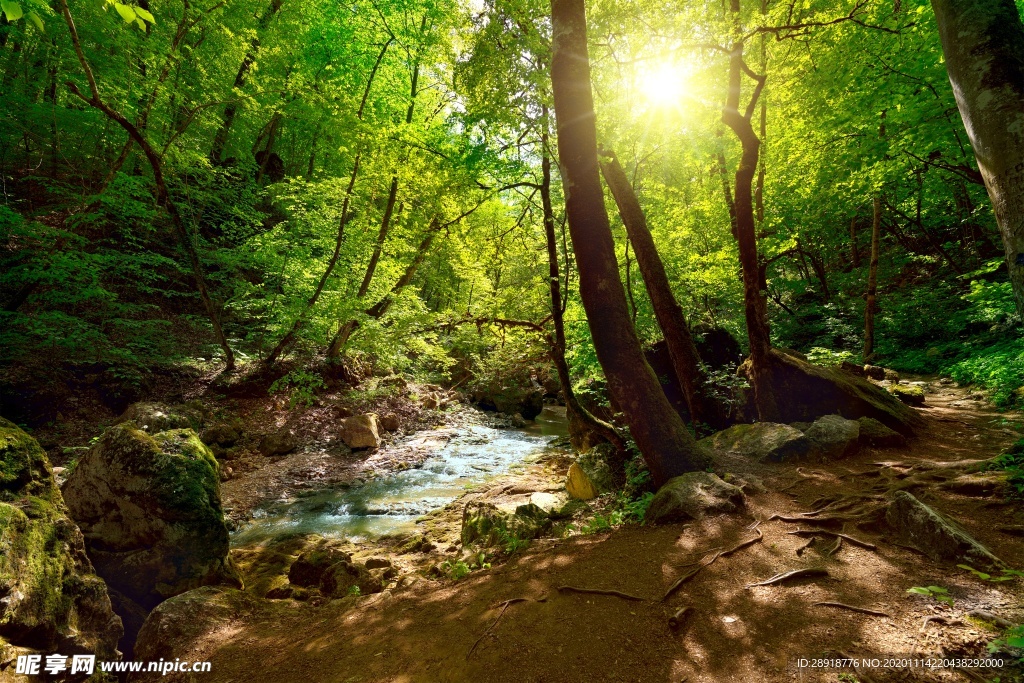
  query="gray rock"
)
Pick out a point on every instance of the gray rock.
point(280, 442)
point(940, 538)
point(150, 509)
point(693, 495)
point(761, 441)
point(834, 436)
point(874, 433)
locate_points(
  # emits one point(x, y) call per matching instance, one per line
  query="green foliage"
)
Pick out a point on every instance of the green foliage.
point(938, 593)
point(354, 590)
point(300, 385)
point(1012, 461)
point(1004, 574)
point(828, 357)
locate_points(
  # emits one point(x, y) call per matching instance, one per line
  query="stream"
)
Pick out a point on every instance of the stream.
point(391, 503)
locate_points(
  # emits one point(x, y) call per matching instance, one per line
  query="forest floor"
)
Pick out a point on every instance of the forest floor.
point(515, 621)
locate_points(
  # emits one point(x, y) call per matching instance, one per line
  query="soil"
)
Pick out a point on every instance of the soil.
point(511, 622)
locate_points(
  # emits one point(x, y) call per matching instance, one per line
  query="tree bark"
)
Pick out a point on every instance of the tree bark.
point(667, 448)
point(681, 350)
point(869, 308)
point(983, 43)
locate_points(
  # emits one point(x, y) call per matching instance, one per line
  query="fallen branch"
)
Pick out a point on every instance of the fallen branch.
point(852, 608)
point(940, 619)
point(495, 622)
point(851, 539)
point(786, 576)
point(725, 553)
point(599, 591)
point(985, 615)
point(676, 620)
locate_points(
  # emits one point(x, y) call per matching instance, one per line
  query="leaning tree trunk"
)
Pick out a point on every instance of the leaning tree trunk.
point(667, 447)
point(983, 43)
point(681, 350)
point(869, 309)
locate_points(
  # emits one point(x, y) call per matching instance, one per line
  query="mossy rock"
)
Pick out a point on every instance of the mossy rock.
point(874, 433)
point(51, 597)
point(761, 441)
point(150, 509)
point(908, 394)
point(806, 392)
point(484, 524)
point(153, 418)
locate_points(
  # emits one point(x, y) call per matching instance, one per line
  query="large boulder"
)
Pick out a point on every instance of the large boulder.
point(578, 485)
point(874, 433)
point(280, 442)
point(908, 393)
point(150, 509)
point(833, 436)
point(693, 495)
point(158, 417)
point(485, 524)
point(360, 431)
point(330, 569)
point(761, 441)
point(50, 598)
point(807, 391)
point(940, 538)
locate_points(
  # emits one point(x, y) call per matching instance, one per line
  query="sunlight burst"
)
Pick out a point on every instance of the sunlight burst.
point(663, 84)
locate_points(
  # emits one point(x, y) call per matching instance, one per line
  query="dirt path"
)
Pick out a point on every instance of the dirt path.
point(435, 631)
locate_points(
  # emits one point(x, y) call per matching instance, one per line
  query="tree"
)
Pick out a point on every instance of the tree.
point(983, 42)
point(667, 447)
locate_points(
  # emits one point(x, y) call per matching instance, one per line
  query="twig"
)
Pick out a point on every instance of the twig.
point(676, 620)
point(942, 620)
point(495, 622)
point(794, 574)
point(862, 610)
point(851, 539)
point(599, 591)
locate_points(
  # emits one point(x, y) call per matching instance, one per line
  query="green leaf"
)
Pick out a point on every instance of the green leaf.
point(126, 12)
point(919, 590)
point(11, 9)
point(937, 589)
point(145, 15)
point(34, 18)
point(141, 24)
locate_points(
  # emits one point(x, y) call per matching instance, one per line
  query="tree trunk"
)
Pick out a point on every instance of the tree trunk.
point(869, 309)
point(681, 350)
point(660, 434)
point(983, 43)
point(754, 305)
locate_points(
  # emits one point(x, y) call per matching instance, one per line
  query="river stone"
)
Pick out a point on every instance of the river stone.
point(309, 568)
point(578, 484)
point(834, 436)
point(874, 433)
point(390, 422)
point(51, 598)
point(940, 538)
point(280, 442)
point(807, 391)
point(360, 431)
point(155, 417)
point(693, 495)
point(761, 441)
point(150, 509)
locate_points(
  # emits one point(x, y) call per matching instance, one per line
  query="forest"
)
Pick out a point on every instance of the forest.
point(506, 340)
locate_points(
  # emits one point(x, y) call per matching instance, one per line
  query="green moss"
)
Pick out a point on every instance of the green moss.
point(24, 469)
point(908, 394)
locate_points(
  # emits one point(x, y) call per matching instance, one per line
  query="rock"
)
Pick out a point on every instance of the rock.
point(150, 509)
point(892, 375)
point(280, 442)
point(223, 434)
point(484, 524)
point(309, 568)
point(873, 372)
point(854, 369)
point(747, 483)
point(802, 426)
point(578, 484)
point(349, 578)
point(874, 433)
point(809, 391)
point(693, 495)
point(360, 431)
point(911, 395)
point(761, 441)
point(548, 502)
point(982, 484)
point(156, 417)
point(527, 402)
point(429, 402)
point(834, 437)
point(377, 563)
point(390, 422)
point(517, 421)
point(52, 599)
point(940, 538)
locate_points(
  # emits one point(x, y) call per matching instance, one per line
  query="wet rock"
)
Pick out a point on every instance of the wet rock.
point(517, 421)
point(874, 372)
point(693, 495)
point(50, 597)
point(909, 394)
point(150, 509)
point(874, 433)
point(940, 538)
point(811, 391)
point(360, 431)
point(761, 441)
point(280, 442)
point(834, 437)
point(390, 422)
point(578, 484)
point(157, 417)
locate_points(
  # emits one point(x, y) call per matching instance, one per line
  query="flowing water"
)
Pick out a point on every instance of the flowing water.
point(391, 503)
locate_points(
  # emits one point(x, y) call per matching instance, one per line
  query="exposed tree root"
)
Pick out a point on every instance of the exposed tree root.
point(600, 591)
point(677, 619)
point(724, 553)
point(494, 623)
point(852, 608)
point(940, 619)
point(823, 532)
point(794, 574)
